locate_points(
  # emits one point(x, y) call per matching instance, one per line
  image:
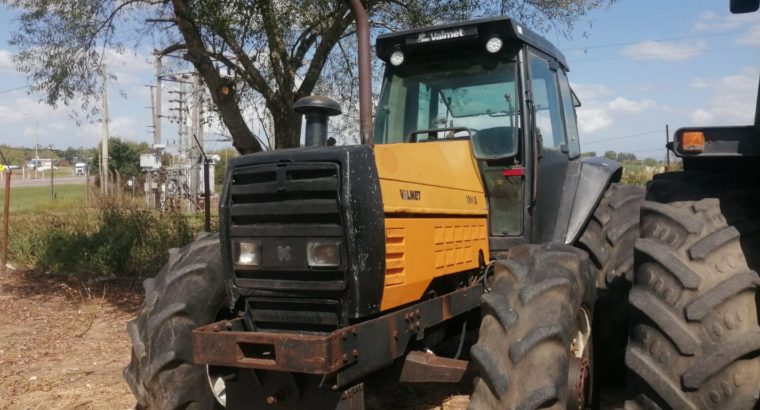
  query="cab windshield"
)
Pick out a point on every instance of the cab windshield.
point(465, 98)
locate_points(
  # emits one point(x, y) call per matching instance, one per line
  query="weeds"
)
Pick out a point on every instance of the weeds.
point(114, 238)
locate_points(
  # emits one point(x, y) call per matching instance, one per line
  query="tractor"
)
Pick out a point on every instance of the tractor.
point(695, 338)
point(467, 209)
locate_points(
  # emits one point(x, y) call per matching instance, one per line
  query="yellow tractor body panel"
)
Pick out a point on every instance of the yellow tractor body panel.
point(435, 222)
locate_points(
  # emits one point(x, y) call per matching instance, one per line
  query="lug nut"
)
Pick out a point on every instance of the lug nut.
point(273, 399)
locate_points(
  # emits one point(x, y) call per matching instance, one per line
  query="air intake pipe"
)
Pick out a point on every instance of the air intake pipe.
point(317, 110)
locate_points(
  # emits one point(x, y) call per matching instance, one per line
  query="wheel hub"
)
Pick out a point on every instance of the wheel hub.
point(578, 383)
point(579, 370)
point(216, 380)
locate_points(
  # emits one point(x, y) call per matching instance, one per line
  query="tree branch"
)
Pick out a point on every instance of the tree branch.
point(242, 138)
point(280, 66)
point(329, 38)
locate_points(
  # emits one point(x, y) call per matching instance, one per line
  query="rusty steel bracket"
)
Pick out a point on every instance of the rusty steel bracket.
point(294, 352)
point(421, 367)
point(349, 353)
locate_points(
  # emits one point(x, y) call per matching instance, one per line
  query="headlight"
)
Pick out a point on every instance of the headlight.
point(397, 58)
point(322, 254)
point(248, 253)
point(494, 45)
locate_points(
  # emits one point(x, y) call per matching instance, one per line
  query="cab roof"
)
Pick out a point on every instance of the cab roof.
point(467, 34)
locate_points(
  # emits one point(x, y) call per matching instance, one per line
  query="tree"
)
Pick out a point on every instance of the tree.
point(626, 156)
point(221, 165)
point(611, 155)
point(123, 157)
point(275, 50)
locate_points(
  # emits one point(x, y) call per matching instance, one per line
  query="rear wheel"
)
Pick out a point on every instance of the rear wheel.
point(534, 348)
point(188, 292)
point(695, 335)
point(609, 238)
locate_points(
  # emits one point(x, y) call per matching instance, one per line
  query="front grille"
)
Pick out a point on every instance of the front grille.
point(285, 204)
point(286, 194)
point(310, 315)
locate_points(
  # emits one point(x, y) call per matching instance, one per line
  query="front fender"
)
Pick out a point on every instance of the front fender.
point(595, 176)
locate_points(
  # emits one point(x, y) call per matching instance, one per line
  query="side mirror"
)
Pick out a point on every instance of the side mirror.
point(744, 6)
point(494, 143)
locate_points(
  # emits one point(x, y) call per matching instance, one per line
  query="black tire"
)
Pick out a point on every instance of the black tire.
point(609, 239)
point(523, 350)
point(695, 336)
point(187, 293)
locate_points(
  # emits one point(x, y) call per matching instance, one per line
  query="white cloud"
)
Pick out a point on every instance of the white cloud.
point(27, 110)
point(710, 21)
point(128, 65)
point(6, 62)
point(731, 100)
point(631, 106)
point(601, 107)
point(702, 117)
point(119, 126)
point(593, 119)
point(699, 83)
point(590, 91)
point(664, 50)
point(751, 38)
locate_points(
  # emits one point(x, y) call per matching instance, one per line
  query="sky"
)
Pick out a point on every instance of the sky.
point(636, 66)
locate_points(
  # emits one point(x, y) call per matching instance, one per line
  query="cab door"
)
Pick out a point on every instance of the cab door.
point(550, 146)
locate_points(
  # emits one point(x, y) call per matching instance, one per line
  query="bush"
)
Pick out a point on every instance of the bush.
point(114, 238)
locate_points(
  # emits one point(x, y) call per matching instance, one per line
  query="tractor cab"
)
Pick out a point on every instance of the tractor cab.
point(502, 87)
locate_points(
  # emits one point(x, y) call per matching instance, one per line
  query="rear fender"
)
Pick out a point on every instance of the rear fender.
point(595, 176)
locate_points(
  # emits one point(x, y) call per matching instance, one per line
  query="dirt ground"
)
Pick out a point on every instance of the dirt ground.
point(63, 342)
point(63, 345)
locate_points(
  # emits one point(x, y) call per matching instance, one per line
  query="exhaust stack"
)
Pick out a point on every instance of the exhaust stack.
point(365, 70)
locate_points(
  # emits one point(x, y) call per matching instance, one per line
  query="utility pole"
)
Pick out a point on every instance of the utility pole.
point(6, 209)
point(104, 144)
point(52, 173)
point(157, 106)
point(667, 151)
point(36, 152)
point(198, 136)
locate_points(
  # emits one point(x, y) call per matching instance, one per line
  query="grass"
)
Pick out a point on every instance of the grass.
point(114, 236)
point(32, 198)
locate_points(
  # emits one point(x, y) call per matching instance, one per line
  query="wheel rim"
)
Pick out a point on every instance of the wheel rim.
point(217, 383)
point(580, 369)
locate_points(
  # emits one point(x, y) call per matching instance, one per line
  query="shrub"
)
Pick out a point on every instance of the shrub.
point(113, 238)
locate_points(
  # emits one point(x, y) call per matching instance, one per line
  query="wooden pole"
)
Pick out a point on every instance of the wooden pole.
point(52, 173)
point(667, 151)
point(6, 211)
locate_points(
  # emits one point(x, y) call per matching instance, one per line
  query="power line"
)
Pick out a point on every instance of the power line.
point(648, 150)
point(13, 89)
point(621, 138)
point(658, 40)
point(654, 55)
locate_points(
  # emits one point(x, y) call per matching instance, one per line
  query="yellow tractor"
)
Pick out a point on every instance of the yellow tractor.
point(466, 212)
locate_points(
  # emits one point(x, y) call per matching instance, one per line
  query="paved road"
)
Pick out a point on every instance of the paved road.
point(17, 181)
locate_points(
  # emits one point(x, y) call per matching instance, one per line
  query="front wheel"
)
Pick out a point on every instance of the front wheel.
point(534, 348)
point(188, 292)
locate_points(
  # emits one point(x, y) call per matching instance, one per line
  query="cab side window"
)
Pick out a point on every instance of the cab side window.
point(547, 102)
point(568, 107)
